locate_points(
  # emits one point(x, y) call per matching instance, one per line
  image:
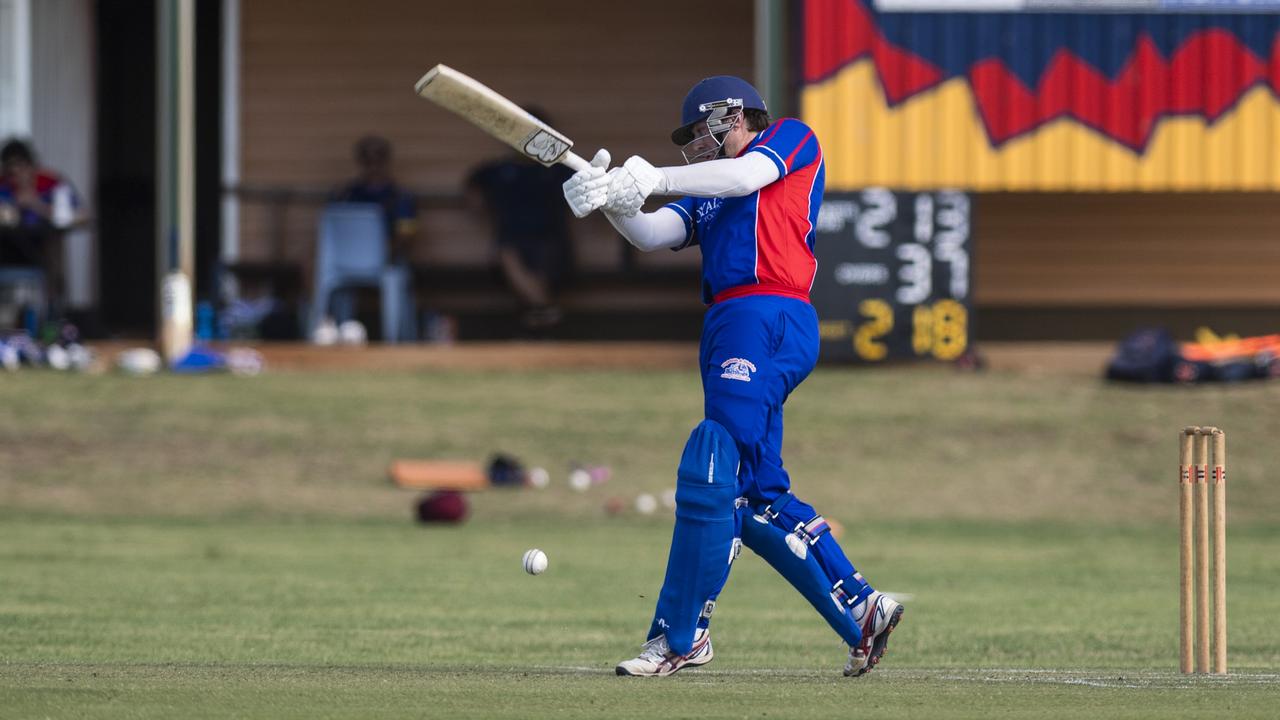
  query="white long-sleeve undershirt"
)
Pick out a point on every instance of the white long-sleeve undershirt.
point(662, 228)
point(730, 177)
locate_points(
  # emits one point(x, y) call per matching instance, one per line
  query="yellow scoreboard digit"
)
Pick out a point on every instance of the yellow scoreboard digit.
point(893, 275)
point(868, 340)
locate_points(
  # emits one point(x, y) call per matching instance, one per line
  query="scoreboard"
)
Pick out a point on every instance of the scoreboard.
point(894, 278)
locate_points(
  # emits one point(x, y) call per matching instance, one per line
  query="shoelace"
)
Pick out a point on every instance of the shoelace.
point(655, 649)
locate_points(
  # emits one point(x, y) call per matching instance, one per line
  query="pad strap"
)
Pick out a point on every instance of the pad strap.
point(840, 594)
point(811, 531)
point(773, 509)
point(708, 608)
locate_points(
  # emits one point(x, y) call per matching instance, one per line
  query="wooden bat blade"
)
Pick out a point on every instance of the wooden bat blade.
point(491, 112)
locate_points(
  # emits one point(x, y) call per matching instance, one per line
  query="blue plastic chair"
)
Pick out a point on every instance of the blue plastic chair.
point(352, 251)
point(29, 289)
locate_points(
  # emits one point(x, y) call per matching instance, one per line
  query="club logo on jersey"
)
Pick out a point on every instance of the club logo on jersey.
point(737, 369)
point(545, 147)
point(708, 209)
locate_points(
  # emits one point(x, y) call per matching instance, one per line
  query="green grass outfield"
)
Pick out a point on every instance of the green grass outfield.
point(226, 547)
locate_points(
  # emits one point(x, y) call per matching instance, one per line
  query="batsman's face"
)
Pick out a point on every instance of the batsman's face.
point(718, 138)
point(737, 139)
point(704, 145)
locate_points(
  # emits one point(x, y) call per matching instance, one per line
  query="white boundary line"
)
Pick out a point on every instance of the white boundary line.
point(1112, 678)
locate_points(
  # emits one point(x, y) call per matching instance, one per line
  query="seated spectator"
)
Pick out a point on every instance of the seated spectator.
point(375, 183)
point(524, 205)
point(36, 207)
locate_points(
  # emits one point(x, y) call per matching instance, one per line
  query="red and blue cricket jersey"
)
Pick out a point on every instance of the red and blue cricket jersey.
point(762, 243)
point(759, 342)
point(46, 182)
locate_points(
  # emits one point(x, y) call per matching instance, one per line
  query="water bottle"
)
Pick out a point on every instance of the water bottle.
point(63, 212)
point(30, 320)
point(204, 321)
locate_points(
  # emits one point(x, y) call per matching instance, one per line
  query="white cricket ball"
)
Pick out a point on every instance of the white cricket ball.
point(57, 357)
point(81, 357)
point(669, 498)
point(352, 332)
point(326, 333)
point(580, 480)
point(139, 361)
point(646, 504)
point(245, 362)
point(534, 561)
point(539, 477)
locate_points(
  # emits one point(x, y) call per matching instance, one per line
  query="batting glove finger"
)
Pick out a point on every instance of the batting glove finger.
point(624, 197)
point(582, 191)
point(587, 190)
point(631, 184)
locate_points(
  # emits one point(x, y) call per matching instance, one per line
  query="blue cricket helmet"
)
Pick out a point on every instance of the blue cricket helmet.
point(714, 90)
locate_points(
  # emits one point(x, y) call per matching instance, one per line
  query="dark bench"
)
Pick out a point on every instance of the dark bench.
point(640, 304)
point(629, 302)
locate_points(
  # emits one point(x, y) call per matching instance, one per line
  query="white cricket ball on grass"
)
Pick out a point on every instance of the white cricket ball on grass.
point(139, 361)
point(538, 478)
point(646, 504)
point(580, 480)
point(534, 561)
point(669, 498)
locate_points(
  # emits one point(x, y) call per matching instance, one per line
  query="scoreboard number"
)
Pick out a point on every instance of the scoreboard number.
point(893, 275)
point(867, 339)
point(940, 330)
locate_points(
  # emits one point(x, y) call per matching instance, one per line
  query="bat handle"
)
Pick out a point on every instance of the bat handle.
point(574, 162)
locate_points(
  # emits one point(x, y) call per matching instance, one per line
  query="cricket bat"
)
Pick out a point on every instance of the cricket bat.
point(498, 116)
point(175, 316)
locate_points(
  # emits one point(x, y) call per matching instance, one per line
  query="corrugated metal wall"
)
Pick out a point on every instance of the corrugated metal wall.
point(1039, 101)
point(1127, 249)
point(316, 75)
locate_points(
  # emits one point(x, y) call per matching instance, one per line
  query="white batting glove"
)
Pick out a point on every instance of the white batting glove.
point(588, 189)
point(631, 184)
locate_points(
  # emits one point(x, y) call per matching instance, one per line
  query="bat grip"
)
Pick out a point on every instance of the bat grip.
point(574, 162)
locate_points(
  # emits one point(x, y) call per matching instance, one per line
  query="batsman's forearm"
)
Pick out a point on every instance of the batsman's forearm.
point(650, 231)
point(731, 177)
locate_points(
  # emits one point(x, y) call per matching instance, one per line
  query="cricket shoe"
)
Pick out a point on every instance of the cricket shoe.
point(657, 660)
point(879, 616)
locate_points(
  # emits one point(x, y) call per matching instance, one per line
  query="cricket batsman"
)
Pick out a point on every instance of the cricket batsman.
point(749, 196)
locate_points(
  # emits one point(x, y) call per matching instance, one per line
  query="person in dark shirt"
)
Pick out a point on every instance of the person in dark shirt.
point(375, 184)
point(524, 204)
